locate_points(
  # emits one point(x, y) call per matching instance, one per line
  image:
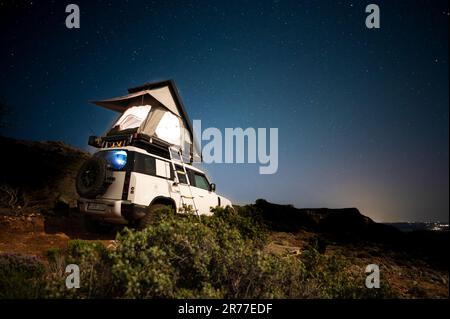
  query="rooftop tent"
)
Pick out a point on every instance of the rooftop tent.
point(132, 117)
point(154, 109)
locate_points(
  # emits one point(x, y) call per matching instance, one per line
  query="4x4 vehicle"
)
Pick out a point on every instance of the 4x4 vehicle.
point(140, 166)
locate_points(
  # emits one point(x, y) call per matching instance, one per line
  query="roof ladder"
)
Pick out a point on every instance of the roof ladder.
point(180, 158)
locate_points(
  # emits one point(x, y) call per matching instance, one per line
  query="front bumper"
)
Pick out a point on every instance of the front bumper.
point(111, 211)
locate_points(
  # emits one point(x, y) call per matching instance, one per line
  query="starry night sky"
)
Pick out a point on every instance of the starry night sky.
point(362, 114)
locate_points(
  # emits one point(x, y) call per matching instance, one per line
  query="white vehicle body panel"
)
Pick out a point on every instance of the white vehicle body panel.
point(115, 190)
point(204, 200)
point(144, 189)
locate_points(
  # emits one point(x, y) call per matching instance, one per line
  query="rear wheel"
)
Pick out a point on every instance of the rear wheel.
point(150, 216)
point(93, 178)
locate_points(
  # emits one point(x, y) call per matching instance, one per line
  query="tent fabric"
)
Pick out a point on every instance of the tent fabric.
point(133, 117)
point(164, 96)
point(149, 127)
point(169, 129)
point(121, 103)
point(154, 109)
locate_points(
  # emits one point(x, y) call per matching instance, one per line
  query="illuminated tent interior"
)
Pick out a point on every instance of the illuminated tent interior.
point(156, 110)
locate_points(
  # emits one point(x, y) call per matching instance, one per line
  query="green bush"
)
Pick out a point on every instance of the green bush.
point(331, 277)
point(197, 258)
point(247, 220)
point(20, 276)
point(221, 257)
point(95, 271)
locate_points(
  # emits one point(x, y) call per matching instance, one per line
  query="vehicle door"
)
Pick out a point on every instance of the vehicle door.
point(182, 186)
point(204, 197)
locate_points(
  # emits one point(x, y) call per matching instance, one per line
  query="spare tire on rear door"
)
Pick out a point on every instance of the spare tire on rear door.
point(94, 177)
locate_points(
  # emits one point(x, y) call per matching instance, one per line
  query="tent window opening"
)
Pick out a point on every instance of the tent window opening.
point(133, 117)
point(169, 129)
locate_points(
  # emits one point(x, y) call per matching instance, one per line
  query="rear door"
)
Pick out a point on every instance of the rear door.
point(120, 161)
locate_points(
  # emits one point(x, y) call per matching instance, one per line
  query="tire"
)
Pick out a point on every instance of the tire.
point(93, 178)
point(150, 216)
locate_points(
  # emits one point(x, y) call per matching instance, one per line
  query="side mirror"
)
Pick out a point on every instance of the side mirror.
point(212, 187)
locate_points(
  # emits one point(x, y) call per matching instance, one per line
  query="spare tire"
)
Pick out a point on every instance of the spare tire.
point(94, 177)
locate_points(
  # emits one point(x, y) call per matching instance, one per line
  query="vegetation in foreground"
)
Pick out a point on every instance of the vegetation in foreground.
point(221, 256)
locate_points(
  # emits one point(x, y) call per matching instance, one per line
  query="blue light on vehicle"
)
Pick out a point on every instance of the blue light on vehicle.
point(118, 159)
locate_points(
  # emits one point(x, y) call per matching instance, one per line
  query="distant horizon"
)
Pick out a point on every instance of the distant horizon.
point(362, 213)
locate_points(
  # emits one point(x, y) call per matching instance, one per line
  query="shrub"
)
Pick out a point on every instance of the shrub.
point(95, 271)
point(247, 220)
point(20, 276)
point(332, 277)
point(217, 257)
point(197, 258)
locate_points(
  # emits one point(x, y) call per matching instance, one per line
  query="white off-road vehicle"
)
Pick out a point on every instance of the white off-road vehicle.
point(144, 162)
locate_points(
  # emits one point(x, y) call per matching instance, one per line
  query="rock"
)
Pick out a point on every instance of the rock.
point(347, 222)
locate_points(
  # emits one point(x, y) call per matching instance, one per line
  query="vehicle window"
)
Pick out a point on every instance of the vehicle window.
point(145, 164)
point(148, 165)
point(172, 174)
point(118, 159)
point(163, 169)
point(181, 174)
point(191, 176)
point(201, 181)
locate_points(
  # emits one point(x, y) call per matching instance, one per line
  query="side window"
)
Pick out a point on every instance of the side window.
point(191, 176)
point(149, 165)
point(145, 164)
point(181, 174)
point(172, 173)
point(163, 169)
point(201, 181)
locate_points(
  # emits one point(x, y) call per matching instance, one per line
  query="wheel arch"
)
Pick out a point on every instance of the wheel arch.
point(164, 201)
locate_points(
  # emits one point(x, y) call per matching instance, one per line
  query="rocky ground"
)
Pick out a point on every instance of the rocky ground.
point(411, 278)
point(34, 233)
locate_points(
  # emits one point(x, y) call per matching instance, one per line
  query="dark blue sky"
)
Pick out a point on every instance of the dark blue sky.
point(362, 114)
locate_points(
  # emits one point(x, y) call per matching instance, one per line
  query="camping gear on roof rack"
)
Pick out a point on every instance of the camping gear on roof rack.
point(155, 111)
